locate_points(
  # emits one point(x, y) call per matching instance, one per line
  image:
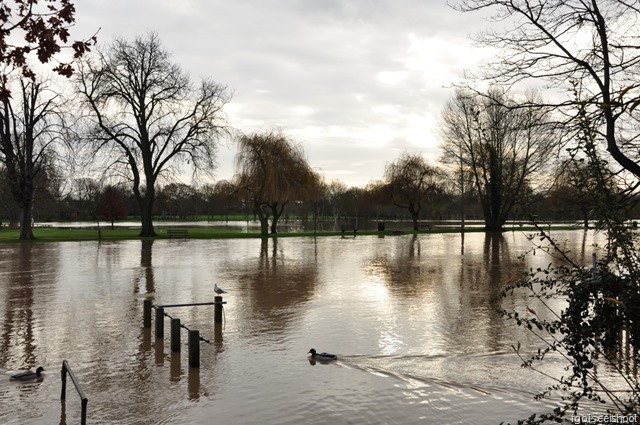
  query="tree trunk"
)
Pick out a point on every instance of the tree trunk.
point(262, 216)
point(415, 215)
point(494, 224)
point(276, 215)
point(26, 232)
point(146, 214)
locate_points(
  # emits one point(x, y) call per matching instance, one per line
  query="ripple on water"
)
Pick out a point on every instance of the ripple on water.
point(412, 321)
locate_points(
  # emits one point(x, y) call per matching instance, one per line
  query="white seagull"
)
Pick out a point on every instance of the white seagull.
point(218, 290)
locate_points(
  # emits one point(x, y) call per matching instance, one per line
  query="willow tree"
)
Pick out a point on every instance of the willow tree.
point(502, 145)
point(272, 172)
point(148, 117)
point(412, 181)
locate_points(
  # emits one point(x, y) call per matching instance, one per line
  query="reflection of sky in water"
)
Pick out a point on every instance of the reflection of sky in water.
point(415, 324)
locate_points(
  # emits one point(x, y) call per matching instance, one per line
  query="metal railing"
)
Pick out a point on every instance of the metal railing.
point(66, 369)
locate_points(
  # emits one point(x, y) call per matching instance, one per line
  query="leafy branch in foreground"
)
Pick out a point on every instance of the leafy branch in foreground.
point(597, 332)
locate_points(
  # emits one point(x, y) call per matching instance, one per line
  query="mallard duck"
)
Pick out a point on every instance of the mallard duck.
point(218, 290)
point(322, 357)
point(28, 375)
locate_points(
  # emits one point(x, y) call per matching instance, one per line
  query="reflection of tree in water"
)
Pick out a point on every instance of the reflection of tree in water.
point(146, 273)
point(277, 283)
point(23, 269)
point(404, 269)
point(146, 265)
point(484, 282)
point(463, 289)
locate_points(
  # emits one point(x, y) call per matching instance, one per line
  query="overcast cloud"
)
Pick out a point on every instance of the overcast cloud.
point(356, 82)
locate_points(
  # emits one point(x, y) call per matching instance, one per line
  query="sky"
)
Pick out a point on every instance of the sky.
point(355, 82)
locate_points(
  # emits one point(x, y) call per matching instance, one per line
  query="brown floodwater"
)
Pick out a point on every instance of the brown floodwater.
point(413, 319)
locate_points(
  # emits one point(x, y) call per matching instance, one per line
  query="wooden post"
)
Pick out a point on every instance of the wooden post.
point(147, 313)
point(194, 348)
point(217, 316)
point(175, 334)
point(159, 322)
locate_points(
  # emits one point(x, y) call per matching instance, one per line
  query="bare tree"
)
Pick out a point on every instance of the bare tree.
point(272, 171)
point(177, 199)
point(111, 206)
point(86, 192)
point(411, 181)
point(30, 128)
point(148, 115)
point(589, 46)
point(500, 144)
point(227, 194)
point(219, 198)
point(335, 192)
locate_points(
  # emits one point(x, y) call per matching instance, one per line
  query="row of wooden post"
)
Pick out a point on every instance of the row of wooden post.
point(194, 335)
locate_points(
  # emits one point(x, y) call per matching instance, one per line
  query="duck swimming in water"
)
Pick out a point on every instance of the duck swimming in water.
point(322, 357)
point(28, 375)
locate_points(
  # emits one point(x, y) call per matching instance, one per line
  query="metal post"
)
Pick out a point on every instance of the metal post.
point(217, 316)
point(147, 313)
point(175, 334)
point(63, 373)
point(159, 322)
point(67, 370)
point(194, 348)
point(83, 418)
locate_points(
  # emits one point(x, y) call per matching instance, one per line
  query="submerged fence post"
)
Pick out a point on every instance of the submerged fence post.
point(63, 375)
point(217, 316)
point(159, 322)
point(194, 348)
point(175, 334)
point(147, 313)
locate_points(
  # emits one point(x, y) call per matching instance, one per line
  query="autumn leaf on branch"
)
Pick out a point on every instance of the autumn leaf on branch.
point(44, 27)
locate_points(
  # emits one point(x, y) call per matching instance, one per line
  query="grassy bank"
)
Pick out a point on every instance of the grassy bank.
point(54, 234)
point(50, 234)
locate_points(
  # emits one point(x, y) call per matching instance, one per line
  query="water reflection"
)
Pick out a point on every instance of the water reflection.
point(414, 320)
point(194, 384)
point(146, 268)
point(275, 284)
point(28, 271)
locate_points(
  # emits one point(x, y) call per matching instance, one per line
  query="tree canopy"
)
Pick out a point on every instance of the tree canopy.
point(148, 116)
point(272, 171)
point(412, 181)
point(500, 144)
point(588, 48)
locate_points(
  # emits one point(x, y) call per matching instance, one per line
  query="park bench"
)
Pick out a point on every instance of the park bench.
point(425, 226)
point(177, 233)
point(349, 228)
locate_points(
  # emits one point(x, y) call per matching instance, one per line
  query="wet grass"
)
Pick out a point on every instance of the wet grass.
point(50, 234)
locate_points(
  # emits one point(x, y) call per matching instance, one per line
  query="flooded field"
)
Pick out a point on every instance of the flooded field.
point(413, 319)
